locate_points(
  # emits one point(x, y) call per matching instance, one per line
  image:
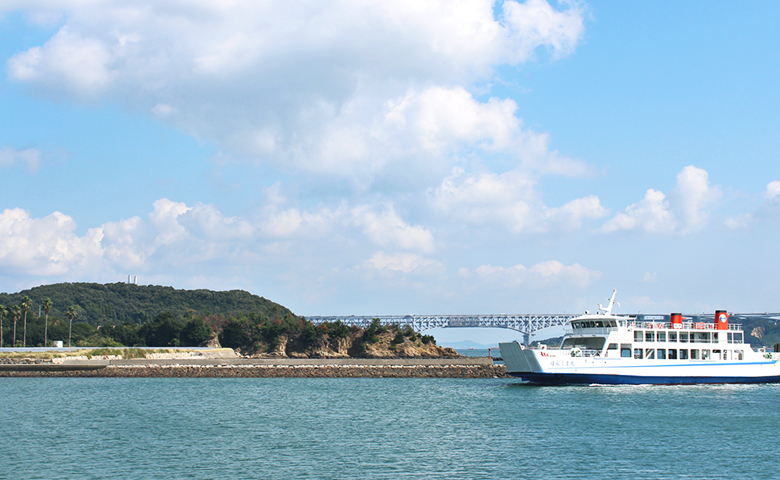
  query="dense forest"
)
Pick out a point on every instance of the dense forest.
point(119, 314)
point(126, 314)
point(113, 303)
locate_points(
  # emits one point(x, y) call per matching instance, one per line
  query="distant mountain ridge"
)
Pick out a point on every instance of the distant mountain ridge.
point(100, 304)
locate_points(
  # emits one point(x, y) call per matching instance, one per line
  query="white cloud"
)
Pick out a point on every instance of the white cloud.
point(205, 221)
point(684, 211)
point(69, 61)
point(769, 210)
point(352, 89)
point(740, 221)
point(692, 198)
point(509, 199)
point(402, 262)
point(651, 215)
point(125, 243)
point(45, 246)
point(30, 157)
point(165, 218)
point(772, 192)
point(178, 236)
point(535, 23)
point(571, 214)
point(544, 273)
point(387, 229)
point(292, 222)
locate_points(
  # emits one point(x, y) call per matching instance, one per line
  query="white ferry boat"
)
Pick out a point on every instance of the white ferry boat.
point(604, 348)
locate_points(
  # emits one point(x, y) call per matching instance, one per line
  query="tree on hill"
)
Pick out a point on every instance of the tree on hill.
point(15, 311)
point(71, 316)
point(47, 306)
point(26, 304)
point(3, 313)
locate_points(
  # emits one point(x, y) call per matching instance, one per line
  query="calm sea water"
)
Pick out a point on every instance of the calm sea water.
point(382, 428)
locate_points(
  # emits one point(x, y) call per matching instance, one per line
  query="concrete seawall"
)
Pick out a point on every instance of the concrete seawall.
point(463, 367)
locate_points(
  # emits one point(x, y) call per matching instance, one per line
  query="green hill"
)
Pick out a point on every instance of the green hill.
point(114, 303)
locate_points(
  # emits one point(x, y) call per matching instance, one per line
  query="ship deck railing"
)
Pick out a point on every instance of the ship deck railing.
point(657, 325)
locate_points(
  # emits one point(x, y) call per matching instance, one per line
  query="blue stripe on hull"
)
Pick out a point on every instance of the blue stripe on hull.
point(584, 378)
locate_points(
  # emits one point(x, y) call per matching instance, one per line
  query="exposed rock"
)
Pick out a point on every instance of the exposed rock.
point(758, 332)
point(386, 342)
point(280, 349)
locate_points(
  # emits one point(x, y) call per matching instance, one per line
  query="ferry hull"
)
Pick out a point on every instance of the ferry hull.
point(607, 379)
point(546, 367)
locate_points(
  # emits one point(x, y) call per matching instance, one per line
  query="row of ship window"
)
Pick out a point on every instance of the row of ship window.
point(675, 354)
point(686, 337)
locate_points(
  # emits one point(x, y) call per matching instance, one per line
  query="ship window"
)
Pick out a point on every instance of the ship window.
point(638, 336)
point(715, 337)
point(649, 353)
point(738, 337)
point(649, 336)
point(683, 354)
point(694, 354)
point(683, 337)
point(599, 324)
point(612, 346)
point(587, 343)
point(672, 336)
point(705, 354)
point(672, 354)
point(661, 336)
point(661, 354)
point(716, 354)
point(638, 353)
point(625, 351)
point(730, 337)
point(739, 356)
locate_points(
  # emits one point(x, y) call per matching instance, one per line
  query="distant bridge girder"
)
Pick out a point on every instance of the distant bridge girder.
point(527, 324)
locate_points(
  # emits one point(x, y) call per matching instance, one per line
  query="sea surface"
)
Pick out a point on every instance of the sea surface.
point(171, 428)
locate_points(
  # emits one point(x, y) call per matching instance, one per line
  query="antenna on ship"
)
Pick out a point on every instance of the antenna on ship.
point(608, 310)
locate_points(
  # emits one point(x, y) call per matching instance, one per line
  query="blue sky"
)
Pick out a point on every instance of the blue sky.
point(375, 158)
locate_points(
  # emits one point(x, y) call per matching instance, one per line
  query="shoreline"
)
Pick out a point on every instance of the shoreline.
point(272, 371)
point(463, 367)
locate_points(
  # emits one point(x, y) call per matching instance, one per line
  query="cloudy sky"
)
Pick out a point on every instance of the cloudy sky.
point(344, 157)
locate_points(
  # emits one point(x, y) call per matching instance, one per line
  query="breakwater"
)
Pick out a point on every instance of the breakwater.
point(265, 368)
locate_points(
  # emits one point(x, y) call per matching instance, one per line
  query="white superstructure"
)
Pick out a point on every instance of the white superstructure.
point(612, 349)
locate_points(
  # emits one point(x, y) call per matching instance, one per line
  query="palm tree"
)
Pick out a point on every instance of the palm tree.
point(3, 313)
point(47, 306)
point(15, 311)
point(26, 304)
point(71, 315)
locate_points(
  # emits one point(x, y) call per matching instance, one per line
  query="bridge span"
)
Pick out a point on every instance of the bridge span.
point(527, 324)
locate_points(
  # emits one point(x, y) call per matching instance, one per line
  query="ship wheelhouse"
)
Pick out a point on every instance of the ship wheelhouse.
point(664, 338)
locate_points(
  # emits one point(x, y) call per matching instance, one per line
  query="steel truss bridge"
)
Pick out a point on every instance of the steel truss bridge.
point(527, 324)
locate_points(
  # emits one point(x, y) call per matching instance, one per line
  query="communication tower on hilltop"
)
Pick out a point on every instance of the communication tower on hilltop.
point(132, 279)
